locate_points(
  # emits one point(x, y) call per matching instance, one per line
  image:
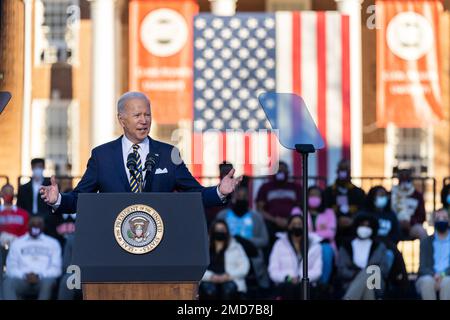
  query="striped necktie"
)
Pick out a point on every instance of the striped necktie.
point(136, 176)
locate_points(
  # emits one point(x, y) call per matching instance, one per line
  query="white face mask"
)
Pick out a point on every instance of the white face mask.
point(38, 173)
point(364, 232)
point(35, 232)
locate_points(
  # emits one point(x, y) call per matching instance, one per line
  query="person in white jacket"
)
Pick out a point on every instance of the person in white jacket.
point(229, 265)
point(286, 260)
point(33, 264)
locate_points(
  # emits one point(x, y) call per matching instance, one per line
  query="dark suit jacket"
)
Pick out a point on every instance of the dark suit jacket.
point(106, 173)
point(426, 264)
point(25, 198)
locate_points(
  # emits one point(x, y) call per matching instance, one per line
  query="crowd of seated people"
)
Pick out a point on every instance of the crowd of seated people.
point(353, 238)
point(256, 244)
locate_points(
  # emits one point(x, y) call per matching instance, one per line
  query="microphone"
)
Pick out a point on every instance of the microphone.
point(132, 167)
point(131, 162)
point(149, 162)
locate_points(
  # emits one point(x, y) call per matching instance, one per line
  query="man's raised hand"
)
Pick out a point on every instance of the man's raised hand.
point(50, 193)
point(228, 183)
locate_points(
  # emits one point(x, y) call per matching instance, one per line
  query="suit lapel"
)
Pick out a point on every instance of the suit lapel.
point(153, 150)
point(118, 156)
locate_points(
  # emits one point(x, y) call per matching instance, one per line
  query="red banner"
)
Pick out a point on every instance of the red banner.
point(408, 84)
point(161, 35)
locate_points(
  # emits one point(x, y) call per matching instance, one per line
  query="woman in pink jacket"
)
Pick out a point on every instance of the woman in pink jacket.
point(286, 260)
point(322, 221)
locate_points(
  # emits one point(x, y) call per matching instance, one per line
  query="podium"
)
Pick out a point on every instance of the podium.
point(139, 246)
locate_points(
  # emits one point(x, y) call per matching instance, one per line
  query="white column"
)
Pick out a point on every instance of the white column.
point(223, 7)
point(27, 74)
point(352, 8)
point(103, 98)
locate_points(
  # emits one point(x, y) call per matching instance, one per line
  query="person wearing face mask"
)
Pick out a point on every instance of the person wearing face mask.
point(224, 278)
point(356, 255)
point(286, 260)
point(322, 221)
point(275, 200)
point(13, 220)
point(345, 199)
point(28, 197)
point(33, 264)
point(377, 204)
point(445, 197)
point(249, 229)
point(13, 224)
point(409, 206)
point(434, 268)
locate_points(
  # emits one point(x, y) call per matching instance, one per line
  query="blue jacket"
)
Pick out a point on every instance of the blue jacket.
point(106, 173)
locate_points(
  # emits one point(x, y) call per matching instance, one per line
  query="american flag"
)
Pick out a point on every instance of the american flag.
point(238, 57)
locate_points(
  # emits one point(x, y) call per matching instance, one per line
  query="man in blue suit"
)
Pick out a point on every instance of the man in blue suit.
point(107, 168)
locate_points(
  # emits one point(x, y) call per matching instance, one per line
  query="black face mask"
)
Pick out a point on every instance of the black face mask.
point(343, 176)
point(219, 235)
point(240, 207)
point(296, 231)
point(441, 226)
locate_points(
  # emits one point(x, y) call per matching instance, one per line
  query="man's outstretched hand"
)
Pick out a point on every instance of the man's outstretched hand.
point(50, 193)
point(228, 183)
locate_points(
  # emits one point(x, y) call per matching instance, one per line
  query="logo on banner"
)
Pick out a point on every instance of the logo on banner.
point(138, 229)
point(163, 32)
point(410, 36)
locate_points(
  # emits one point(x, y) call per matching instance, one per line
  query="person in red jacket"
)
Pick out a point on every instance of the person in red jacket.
point(13, 220)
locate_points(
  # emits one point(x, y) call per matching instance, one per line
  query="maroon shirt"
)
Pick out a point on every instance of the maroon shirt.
point(279, 198)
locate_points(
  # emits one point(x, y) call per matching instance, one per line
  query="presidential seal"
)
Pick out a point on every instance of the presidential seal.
point(138, 229)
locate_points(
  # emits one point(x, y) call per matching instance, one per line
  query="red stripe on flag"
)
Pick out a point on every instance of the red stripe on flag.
point(321, 89)
point(247, 155)
point(296, 76)
point(248, 162)
point(197, 155)
point(272, 152)
point(223, 147)
point(346, 124)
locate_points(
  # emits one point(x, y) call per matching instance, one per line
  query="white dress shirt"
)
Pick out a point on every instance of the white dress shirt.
point(127, 148)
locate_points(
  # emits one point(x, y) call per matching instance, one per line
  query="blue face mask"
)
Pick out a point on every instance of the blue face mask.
point(381, 202)
point(448, 199)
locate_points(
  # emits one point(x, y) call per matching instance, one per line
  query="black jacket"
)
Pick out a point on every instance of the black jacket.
point(348, 270)
point(25, 199)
